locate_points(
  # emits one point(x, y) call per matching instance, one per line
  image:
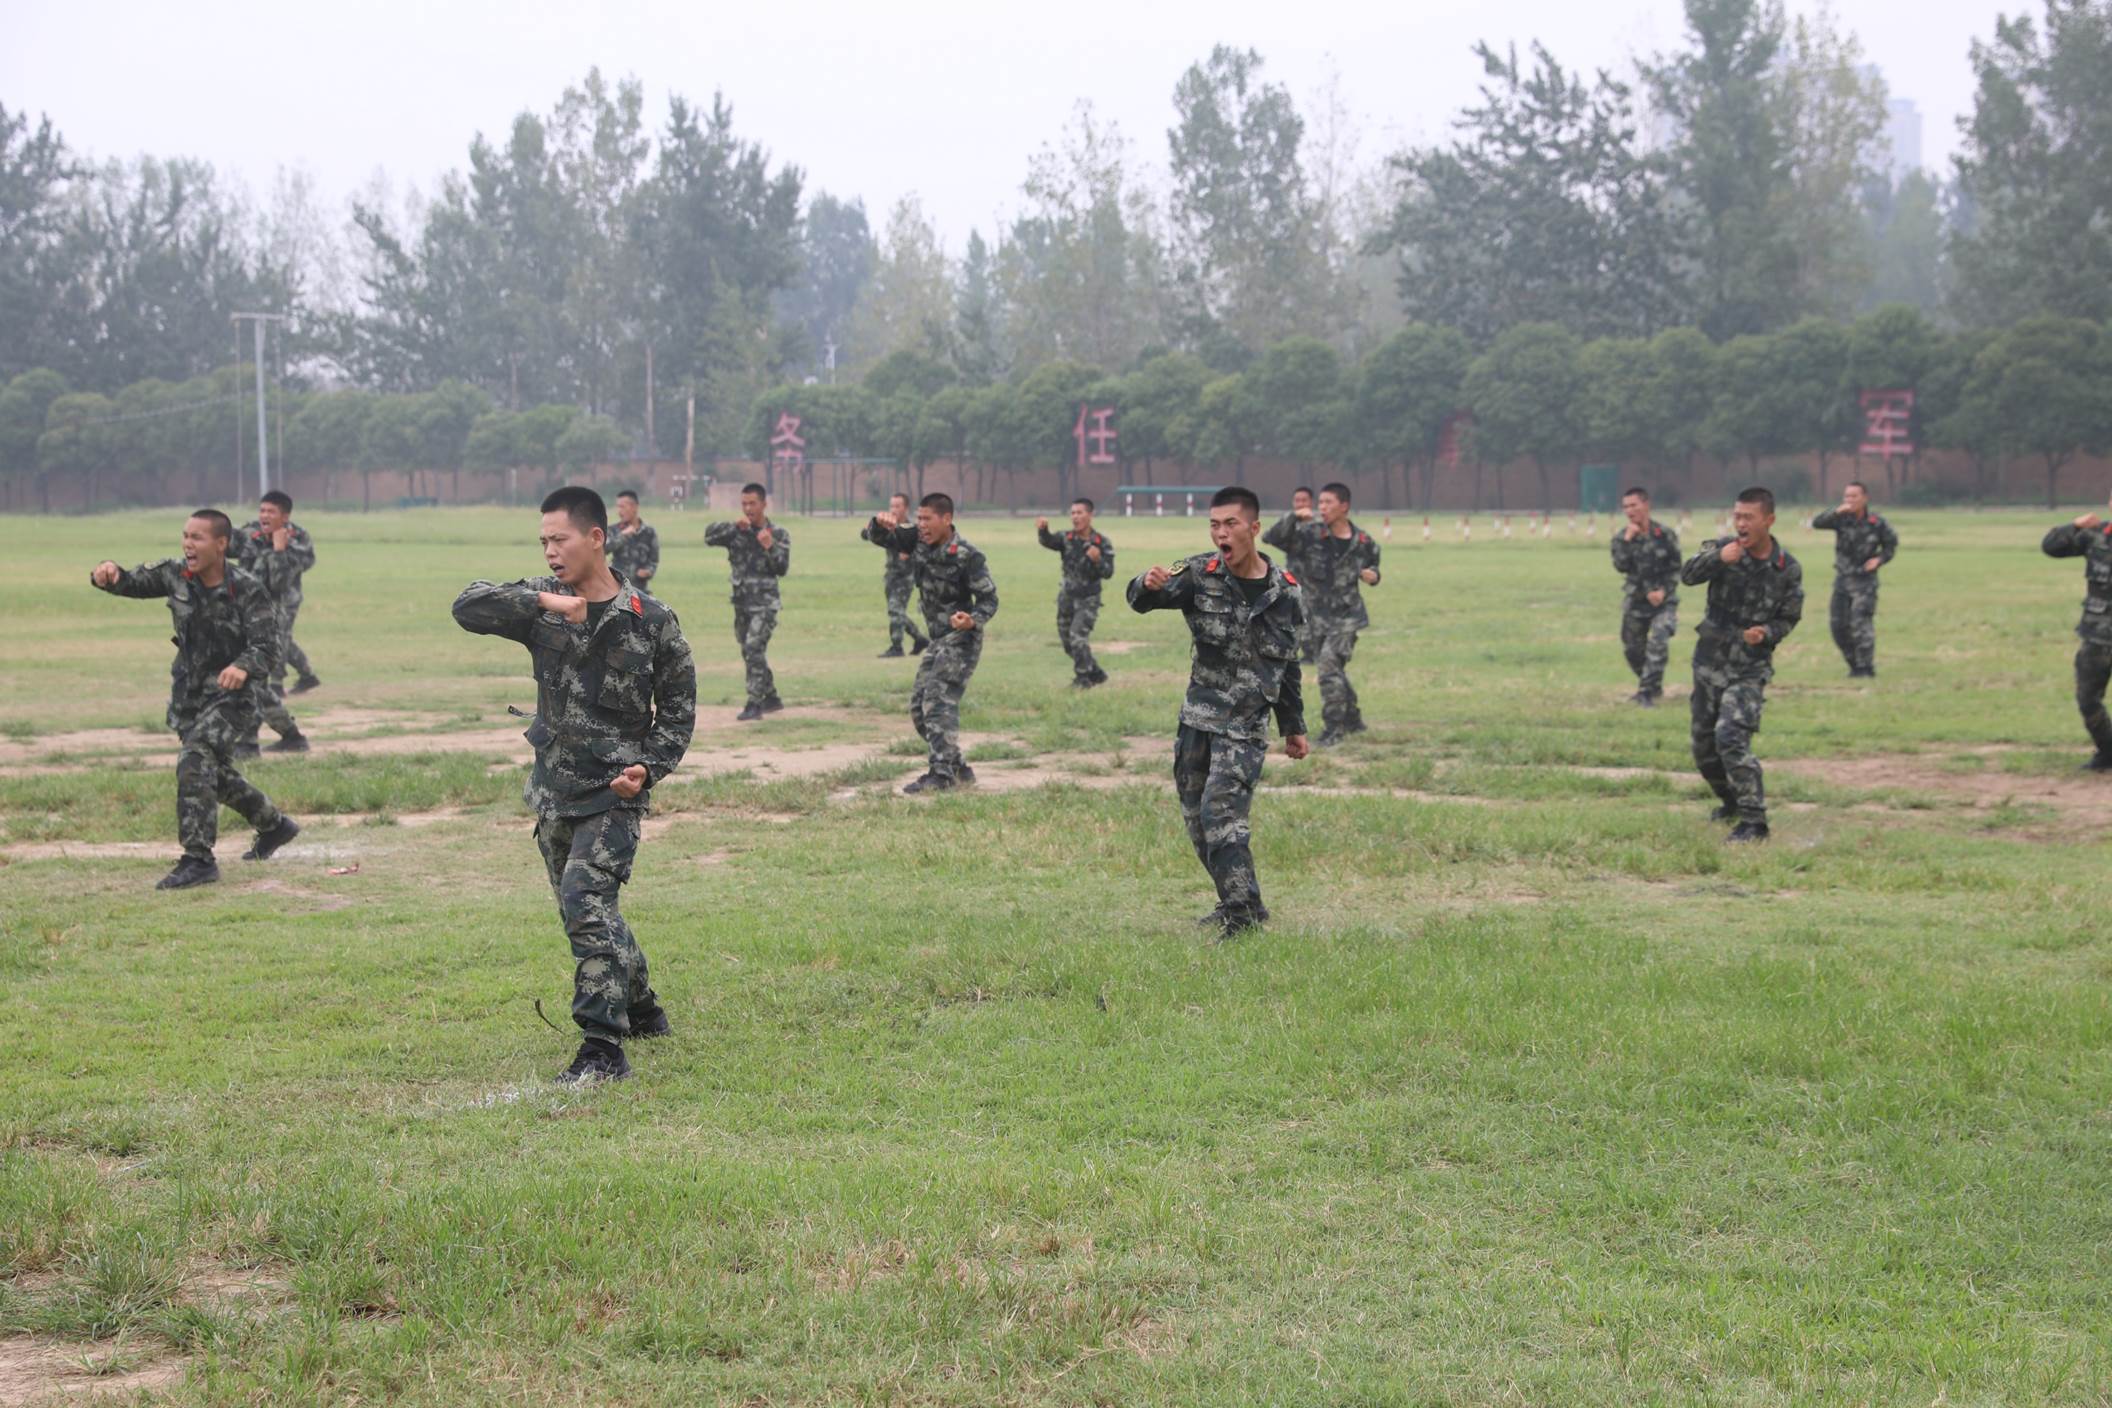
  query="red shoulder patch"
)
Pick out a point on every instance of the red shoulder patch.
point(1288, 577)
point(636, 604)
point(1363, 537)
point(1211, 565)
point(1098, 540)
point(953, 549)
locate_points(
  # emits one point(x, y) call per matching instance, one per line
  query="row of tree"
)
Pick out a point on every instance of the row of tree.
point(1670, 406)
point(663, 276)
point(1692, 413)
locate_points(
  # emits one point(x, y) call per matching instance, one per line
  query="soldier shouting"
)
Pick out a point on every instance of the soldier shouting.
point(227, 641)
point(758, 552)
point(1244, 615)
point(1862, 543)
point(1088, 560)
point(959, 598)
point(1646, 554)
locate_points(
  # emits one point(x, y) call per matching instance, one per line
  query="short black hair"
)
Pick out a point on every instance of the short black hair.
point(223, 528)
point(1240, 496)
point(937, 503)
point(1636, 491)
point(282, 500)
point(1082, 499)
point(1337, 488)
point(1855, 484)
point(1305, 489)
point(1758, 495)
point(756, 489)
point(582, 505)
point(631, 494)
point(898, 494)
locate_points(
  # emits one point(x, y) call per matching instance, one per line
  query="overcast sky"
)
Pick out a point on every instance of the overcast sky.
point(943, 98)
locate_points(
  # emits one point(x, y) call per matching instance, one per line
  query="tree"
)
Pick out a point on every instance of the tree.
point(1244, 252)
point(2044, 388)
point(588, 440)
point(1810, 376)
point(35, 276)
point(1544, 207)
point(77, 443)
point(1523, 394)
point(1614, 419)
point(2033, 170)
point(1159, 407)
point(979, 317)
point(1832, 115)
point(1304, 402)
point(24, 404)
point(908, 303)
point(1906, 244)
point(836, 257)
point(1412, 384)
point(1678, 393)
point(1892, 348)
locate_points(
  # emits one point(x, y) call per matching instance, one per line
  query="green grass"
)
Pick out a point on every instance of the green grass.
point(1533, 1093)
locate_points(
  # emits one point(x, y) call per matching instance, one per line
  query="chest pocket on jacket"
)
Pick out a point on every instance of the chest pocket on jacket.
point(1215, 620)
point(1276, 636)
point(552, 645)
point(626, 684)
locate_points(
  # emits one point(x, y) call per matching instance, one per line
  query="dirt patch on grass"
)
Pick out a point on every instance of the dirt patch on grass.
point(41, 1371)
point(2079, 803)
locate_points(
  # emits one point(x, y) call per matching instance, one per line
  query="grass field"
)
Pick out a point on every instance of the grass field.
point(1533, 1093)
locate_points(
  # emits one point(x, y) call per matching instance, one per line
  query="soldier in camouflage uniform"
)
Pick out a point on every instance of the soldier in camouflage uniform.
point(1340, 559)
point(227, 639)
point(1088, 560)
point(1862, 543)
point(1646, 554)
point(758, 552)
point(2090, 538)
point(1286, 539)
point(615, 704)
point(1756, 597)
point(634, 545)
point(1244, 616)
point(278, 552)
point(897, 578)
point(953, 582)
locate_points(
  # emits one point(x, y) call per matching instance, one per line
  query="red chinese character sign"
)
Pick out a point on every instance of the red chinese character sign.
point(788, 448)
point(1095, 434)
point(1888, 424)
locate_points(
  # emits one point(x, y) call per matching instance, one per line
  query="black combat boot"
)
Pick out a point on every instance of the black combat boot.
point(1099, 675)
point(243, 752)
point(893, 652)
point(304, 684)
point(1746, 831)
point(773, 705)
point(919, 647)
point(270, 841)
point(2098, 762)
point(930, 782)
point(188, 872)
point(1239, 921)
point(1727, 811)
point(1644, 699)
point(749, 714)
point(597, 1060)
point(295, 742)
point(1329, 737)
point(649, 1022)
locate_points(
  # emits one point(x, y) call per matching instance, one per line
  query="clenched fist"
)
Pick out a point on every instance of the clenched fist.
point(1156, 579)
point(1041, 525)
point(105, 574)
point(1733, 550)
point(962, 621)
point(572, 608)
point(765, 537)
point(1093, 553)
point(630, 782)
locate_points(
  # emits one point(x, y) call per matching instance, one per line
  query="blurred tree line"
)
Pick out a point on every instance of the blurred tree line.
point(1691, 265)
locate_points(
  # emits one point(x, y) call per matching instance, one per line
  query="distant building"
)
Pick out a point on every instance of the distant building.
point(1899, 145)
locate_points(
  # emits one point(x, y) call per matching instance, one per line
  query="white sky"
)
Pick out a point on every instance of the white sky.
point(940, 97)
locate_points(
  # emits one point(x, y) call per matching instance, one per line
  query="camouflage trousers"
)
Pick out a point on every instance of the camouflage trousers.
point(898, 618)
point(935, 698)
point(1854, 617)
point(1726, 715)
point(206, 777)
point(2093, 670)
point(271, 692)
point(1075, 618)
point(1646, 639)
point(1215, 777)
point(1333, 645)
point(589, 859)
point(753, 625)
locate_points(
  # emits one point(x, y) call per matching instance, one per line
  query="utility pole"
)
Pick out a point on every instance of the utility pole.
point(257, 321)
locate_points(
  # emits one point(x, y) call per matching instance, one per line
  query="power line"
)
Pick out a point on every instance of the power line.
point(151, 415)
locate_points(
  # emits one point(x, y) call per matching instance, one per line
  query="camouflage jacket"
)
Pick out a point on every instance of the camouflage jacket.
point(899, 567)
point(1649, 564)
point(1857, 537)
point(951, 576)
point(755, 568)
point(1286, 539)
point(634, 557)
point(1327, 570)
point(608, 693)
point(1243, 663)
point(280, 572)
point(1081, 575)
point(234, 623)
point(2094, 546)
point(1766, 591)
